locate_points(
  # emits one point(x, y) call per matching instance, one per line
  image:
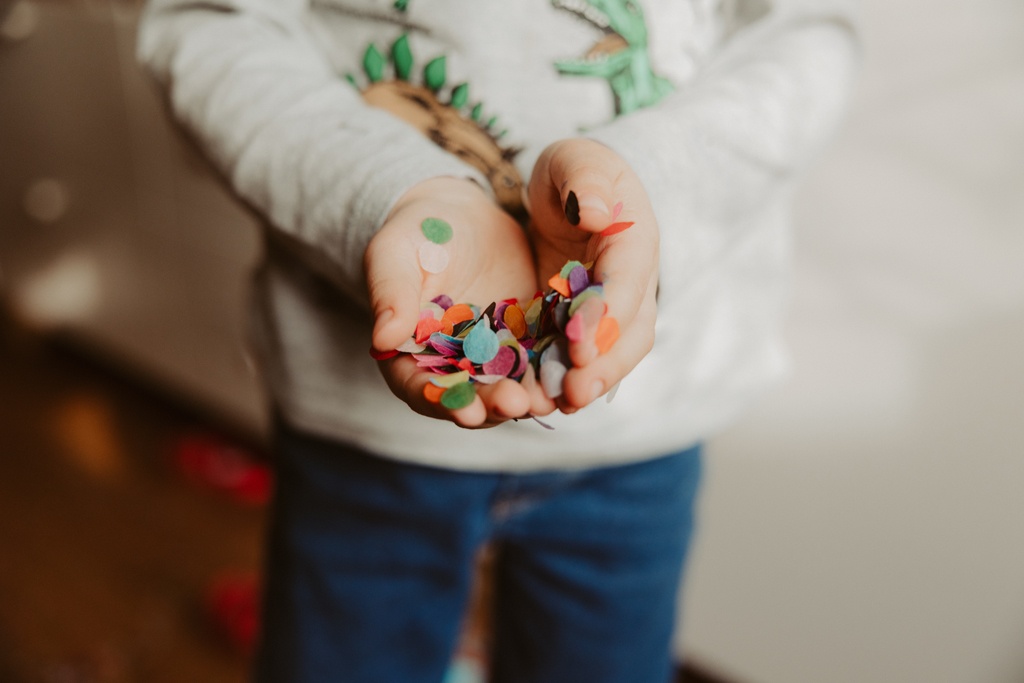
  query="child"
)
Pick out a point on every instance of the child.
point(349, 124)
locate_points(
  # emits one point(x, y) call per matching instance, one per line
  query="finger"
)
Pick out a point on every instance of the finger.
point(586, 188)
point(540, 404)
point(407, 380)
point(582, 385)
point(395, 283)
point(504, 400)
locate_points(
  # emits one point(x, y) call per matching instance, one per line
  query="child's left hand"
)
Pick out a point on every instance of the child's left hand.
point(577, 190)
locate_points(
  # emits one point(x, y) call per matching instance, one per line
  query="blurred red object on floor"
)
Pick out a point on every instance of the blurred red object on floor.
point(214, 463)
point(232, 603)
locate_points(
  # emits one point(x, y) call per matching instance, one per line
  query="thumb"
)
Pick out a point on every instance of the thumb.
point(395, 283)
point(586, 186)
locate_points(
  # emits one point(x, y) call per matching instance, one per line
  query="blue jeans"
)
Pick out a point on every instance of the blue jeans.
point(370, 563)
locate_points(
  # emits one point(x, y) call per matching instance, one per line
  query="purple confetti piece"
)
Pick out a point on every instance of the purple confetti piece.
point(578, 280)
point(444, 301)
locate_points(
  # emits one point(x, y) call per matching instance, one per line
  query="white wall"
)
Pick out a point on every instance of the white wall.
point(866, 523)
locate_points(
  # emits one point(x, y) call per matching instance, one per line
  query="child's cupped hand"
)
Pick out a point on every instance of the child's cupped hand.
point(487, 258)
point(580, 188)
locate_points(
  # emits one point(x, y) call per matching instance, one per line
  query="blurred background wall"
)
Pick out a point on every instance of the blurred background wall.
point(866, 523)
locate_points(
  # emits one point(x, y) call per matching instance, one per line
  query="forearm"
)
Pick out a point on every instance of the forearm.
point(295, 140)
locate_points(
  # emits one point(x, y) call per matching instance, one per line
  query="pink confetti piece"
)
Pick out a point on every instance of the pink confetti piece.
point(574, 330)
point(502, 363)
point(433, 257)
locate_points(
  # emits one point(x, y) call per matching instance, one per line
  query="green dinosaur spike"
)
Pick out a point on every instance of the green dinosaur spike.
point(373, 64)
point(401, 5)
point(434, 73)
point(478, 109)
point(401, 55)
point(459, 95)
point(352, 80)
point(490, 122)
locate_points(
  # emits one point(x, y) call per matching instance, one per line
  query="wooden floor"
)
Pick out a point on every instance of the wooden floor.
point(105, 550)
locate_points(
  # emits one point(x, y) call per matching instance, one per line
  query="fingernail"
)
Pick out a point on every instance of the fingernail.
point(594, 203)
point(572, 208)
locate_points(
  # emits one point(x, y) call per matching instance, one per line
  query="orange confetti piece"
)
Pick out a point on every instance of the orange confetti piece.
point(560, 285)
point(607, 334)
point(457, 314)
point(616, 228)
point(515, 320)
point(426, 327)
point(432, 392)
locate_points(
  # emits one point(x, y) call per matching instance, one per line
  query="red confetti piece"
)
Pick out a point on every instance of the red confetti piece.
point(383, 355)
point(616, 228)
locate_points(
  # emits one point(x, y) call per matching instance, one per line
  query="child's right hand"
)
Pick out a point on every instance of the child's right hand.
point(489, 259)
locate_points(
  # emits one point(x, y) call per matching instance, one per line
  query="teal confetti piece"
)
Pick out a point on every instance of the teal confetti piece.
point(481, 344)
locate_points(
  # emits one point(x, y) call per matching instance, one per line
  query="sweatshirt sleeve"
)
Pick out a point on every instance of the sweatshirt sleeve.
point(294, 139)
point(717, 150)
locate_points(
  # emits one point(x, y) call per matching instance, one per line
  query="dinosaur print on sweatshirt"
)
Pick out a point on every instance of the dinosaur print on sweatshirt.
point(444, 115)
point(620, 55)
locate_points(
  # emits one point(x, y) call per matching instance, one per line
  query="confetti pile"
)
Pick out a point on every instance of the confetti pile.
point(465, 346)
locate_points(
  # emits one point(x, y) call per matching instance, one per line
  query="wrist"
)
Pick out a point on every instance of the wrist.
point(434, 189)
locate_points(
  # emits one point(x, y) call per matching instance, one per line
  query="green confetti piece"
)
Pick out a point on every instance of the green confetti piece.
point(436, 230)
point(401, 5)
point(458, 396)
point(478, 110)
point(373, 64)
point(401, 55)
point(435, 73)
point(460, 95)
point(568, 268)
point(351, 80)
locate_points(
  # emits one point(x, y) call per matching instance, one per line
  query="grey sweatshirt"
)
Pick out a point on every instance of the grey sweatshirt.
point(716, 105)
